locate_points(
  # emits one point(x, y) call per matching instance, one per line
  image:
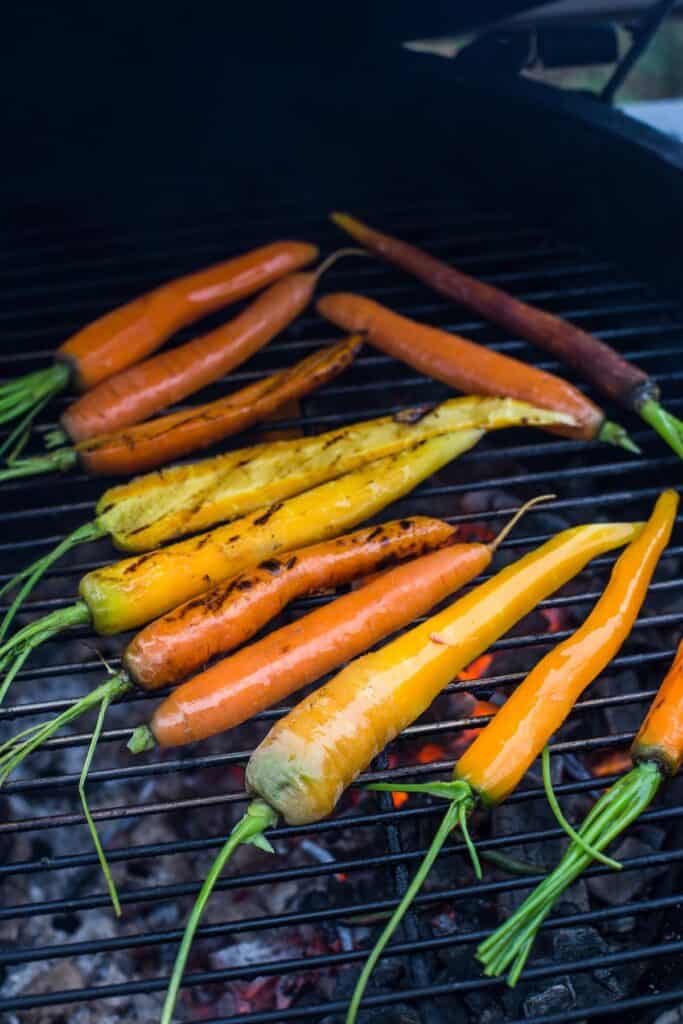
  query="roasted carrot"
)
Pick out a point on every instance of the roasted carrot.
point(158, 507)
point(309, 758)
point(494, 765)
point(136, 590)
point(469, 367)
point(269, 670)
point(133, 331)
point(657, 752)
point(169, 649)
point(159, 441)
point(603, 366)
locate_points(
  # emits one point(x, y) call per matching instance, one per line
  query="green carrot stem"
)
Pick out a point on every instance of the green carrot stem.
point(53, 462)
point(17, 749)
point(22, 395)
point(17, 439)
point(613, 812)
point(34, 572)
point(142, 739)
point(257, 818)
point(613, 433)
point(562, 821)
point(101, 856)
point(16, 650)
point(668, 426)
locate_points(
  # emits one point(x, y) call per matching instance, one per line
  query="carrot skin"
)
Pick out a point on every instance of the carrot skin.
point(460, 363)
point(495, 763)
point(597, 362)
point(143, 390)
point(266, 672)
point(216, 622)
point(159, 441)
point(660, 737)
point(131, 332)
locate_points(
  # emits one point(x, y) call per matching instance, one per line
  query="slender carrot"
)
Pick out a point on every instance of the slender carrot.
point(269, 670)
point(217, 622)
point(131, 332)
point(141, 391)
point(136, 590)
point(603, 366)
point(159, 441)
point(657, 753)
point(161, 506)
point(469, 367)
point(311, 756)
point(494, 765)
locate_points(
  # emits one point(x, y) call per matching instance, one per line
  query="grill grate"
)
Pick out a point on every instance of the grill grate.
point(51, 285)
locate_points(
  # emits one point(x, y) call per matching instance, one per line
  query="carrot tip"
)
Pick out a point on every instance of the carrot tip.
point(141, 740)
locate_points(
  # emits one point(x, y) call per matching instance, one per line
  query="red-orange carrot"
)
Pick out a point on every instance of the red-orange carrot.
point(269, 670)
point(225, 617)
point(131, 332)
point(469, 367)
point(157, 442)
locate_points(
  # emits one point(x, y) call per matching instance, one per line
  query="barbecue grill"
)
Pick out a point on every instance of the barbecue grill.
point(285, 936)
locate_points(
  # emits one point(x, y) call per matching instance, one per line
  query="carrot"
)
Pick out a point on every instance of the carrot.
point(259, 676)
point(136, 590)
point(142, 514)
point(161, 440)
point(599, 363)
point(141, 391)
point(310, 756)
point(225, 617)
point(469, 367)
point(131, 332)
point(494, 765)
point(657, 752)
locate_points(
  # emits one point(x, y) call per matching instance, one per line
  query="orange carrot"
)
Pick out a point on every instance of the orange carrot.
point(131, 332)
point(159, 441)
point(469, 367)
point(221, 619)
point(266, 672)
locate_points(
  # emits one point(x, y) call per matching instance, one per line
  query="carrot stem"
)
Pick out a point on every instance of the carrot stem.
point(16, 650)
point(257, 818)
point(53, 462)
point(669, 427)
point(101, 856)
point(461, 803)
point(34, 572)
point(613, 433)
point(34, 389)
point(614, 812)
point(497, 541)
point(562, 821)
point(16, 749)
point(141, 740)
point(18, 437)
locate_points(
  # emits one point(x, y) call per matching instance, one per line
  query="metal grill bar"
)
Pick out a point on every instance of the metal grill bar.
point(54, 288)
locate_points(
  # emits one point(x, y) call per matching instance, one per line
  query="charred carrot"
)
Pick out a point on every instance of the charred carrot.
point(131, 332)
point(269, 670)
point(142, 390)
point(469, 367)
point(169, 649)
point(603, 366)
point(494, 765)
point(312, 755)
point(657, 752)
point(136, 590)
point(162, 506)
point(159, 441)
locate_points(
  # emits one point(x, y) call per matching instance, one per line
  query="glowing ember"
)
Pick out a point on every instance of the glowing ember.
point(430, 752)
point(398, 799)
point(554, 618)
point(477, 669)
point(614, 762)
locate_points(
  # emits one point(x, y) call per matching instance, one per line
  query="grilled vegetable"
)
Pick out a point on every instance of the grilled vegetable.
point(308, 758)
point(136, 590)
point(159, 441)
point(494, 765)
point(469, 367)
point(158, 507)
point(133, 331)
point(657, 751)
point(258, 676)
point(598, 362)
